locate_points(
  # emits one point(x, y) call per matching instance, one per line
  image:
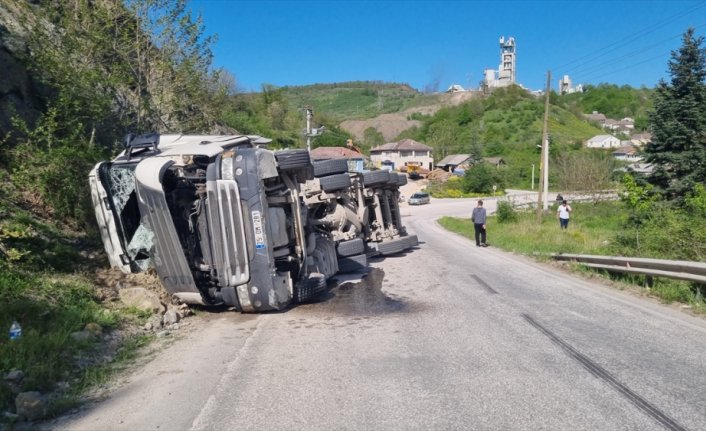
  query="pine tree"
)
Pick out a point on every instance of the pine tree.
point(678, 122)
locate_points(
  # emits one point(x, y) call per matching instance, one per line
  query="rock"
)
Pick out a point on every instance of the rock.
point(142, 299)
point(94, 329)
point(184, 311)
point(154, 323)
point(31, 405)
point(170, 317)
point(63, 386)
point(173, 327)
point(14, 376)
point(162, 334)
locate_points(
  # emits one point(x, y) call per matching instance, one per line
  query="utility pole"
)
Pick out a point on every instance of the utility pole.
point(543, 200)
point(309, 132)
point(309, 113)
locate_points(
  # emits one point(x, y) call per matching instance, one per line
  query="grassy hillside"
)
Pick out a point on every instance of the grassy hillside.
point(508, 123)
point(358, 99)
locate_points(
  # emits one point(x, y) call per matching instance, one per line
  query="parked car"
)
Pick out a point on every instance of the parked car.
point(419, 198)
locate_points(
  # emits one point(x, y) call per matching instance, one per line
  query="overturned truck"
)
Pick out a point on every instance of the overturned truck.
point(224, 220)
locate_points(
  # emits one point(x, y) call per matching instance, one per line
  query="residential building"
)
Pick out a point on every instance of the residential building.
point(395, 155)
point(627, 153)
point(596, 117)
point(452, 161)
point(356, 161)
point(603, 141)
point(641, 139)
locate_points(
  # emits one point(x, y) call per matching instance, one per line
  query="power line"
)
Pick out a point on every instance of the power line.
point(631, 55)
point(612, 71)
point(639, 34)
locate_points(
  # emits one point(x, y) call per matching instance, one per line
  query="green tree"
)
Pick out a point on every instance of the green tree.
point(678, 122)
point(372, 138)
point(481, 177)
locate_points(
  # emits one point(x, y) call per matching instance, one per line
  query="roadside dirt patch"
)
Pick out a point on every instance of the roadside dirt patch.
point(110, 281)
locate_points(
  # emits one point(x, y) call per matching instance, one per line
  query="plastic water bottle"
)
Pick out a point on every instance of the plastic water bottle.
point(15, 330)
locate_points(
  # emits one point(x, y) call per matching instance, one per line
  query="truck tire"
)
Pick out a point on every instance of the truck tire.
point(355, 263)
point(307, 290)
point(289, 160)
point(333, 183)
point(330, 167)
point(392, 246)
point(411, 241)
point(351, 247)
point(375, 177)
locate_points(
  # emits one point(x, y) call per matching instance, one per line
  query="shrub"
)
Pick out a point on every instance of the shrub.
point(505, 212)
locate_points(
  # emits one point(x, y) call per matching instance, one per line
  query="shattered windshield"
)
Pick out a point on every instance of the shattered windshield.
point(137, 237)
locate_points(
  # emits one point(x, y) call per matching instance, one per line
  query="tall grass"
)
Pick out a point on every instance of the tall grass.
point(594, 229)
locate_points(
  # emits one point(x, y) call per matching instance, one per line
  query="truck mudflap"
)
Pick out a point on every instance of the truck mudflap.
point(168, 256)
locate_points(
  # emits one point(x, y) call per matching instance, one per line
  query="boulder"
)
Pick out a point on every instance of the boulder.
point(142, 299)
point(170, 317)
point(31, 405)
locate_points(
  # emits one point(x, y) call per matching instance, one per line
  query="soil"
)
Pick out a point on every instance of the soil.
point(391, 125)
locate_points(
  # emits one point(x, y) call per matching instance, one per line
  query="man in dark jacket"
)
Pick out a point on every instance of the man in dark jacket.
point(478, 219)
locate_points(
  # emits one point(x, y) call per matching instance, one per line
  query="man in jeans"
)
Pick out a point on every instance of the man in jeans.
point(563, 214)
point(478, 219)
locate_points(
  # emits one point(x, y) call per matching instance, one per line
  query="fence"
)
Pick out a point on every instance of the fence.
point(529, 200)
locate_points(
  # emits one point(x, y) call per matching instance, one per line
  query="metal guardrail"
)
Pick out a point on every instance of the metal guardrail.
point(518, 200)
point(677, 269)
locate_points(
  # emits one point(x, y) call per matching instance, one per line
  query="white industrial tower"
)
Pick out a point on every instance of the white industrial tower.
point(506, 70)
point(505, 75)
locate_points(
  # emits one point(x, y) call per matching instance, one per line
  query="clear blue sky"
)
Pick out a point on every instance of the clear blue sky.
point(446, 42)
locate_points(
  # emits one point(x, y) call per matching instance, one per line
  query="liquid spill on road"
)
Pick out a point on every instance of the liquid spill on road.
point(362, 298)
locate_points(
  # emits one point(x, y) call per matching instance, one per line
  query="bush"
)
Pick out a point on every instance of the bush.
point(505, 212)
point(480, 178)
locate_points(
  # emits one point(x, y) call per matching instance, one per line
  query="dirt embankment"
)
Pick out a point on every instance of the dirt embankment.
point(391, 125)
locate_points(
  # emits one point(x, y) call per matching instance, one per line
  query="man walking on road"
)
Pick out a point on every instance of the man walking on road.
point(563, 214)
point(478, 219)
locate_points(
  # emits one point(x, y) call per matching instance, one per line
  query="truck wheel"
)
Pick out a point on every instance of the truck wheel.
point(411, 241)
point(289, 160)
point(350, 248)
point(330, 167)
point(392, 246)
point(375, 177)
point(332, 183)
point(308, 289)
point(352, 263)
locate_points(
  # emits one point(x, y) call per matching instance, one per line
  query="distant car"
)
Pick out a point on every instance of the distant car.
point(419, 198)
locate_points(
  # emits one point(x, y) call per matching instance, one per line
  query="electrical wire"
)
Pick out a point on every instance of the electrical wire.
point(601, 52)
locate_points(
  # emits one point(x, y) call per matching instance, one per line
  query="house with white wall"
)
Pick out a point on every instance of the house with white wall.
point(603, 141)
point(399, 154)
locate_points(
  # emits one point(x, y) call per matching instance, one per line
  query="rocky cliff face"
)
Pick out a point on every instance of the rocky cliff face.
point(21, 94)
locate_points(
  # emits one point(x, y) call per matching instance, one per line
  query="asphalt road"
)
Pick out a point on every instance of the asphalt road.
point(448, 336)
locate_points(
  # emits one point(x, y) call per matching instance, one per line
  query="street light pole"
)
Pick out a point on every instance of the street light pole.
point(532, 176)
